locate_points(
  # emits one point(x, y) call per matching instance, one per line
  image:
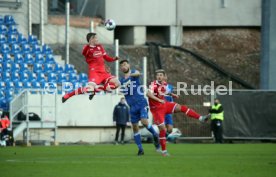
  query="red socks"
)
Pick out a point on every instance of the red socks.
point(189, 112)
point(83, 90)
point(162, 139)
point(79, 91)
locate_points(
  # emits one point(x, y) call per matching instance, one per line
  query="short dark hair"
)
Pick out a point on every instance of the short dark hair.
point(160, 71)
point(89, 35)
point(122, 61)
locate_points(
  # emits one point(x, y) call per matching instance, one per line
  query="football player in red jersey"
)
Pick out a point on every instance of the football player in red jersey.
point(159, 107)
point(99, 79)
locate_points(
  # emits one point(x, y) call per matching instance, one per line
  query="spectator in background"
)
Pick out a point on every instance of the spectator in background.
point(4, 124)
point(217, 116)
point(121, 118)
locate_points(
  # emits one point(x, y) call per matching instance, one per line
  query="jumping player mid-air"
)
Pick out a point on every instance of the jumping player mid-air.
point(134, 94)
point(95, 55)
point(159, 107)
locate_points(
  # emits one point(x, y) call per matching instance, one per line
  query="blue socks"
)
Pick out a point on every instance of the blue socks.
point(152, 131)
point(137, 139)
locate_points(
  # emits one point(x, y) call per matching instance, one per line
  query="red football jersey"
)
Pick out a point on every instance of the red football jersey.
point(5, 122)
point(95, 56)
point(159, 90)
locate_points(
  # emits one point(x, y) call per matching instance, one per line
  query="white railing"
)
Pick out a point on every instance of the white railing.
point(21, 103)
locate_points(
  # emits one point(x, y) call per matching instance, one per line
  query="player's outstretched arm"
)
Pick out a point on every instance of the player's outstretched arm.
point(109, 58)
point(174, 95)
point(151, 96)
point(135, 74)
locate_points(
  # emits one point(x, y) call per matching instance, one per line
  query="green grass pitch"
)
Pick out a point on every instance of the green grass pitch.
point(191, 160)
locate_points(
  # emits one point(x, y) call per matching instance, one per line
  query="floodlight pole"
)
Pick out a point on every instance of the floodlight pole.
point(67, 30)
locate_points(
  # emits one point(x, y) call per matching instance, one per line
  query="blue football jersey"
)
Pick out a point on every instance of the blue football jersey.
point(133, 90)
point(169, 89)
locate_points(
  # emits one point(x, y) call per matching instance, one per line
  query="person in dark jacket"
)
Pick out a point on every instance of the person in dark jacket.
point(121, 117)
point(217, 116)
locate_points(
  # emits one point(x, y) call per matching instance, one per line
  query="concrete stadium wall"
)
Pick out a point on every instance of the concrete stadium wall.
point(56, 34)
point(78, 111)
point(212, 12)
point(185, 12)
point(79, 119)
point(141, 12)
point(77, 135)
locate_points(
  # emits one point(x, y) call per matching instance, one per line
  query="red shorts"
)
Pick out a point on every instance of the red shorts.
point(99, 77)
point(159, 112)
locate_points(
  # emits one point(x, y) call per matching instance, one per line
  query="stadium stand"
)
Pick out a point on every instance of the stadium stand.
point(26, 64)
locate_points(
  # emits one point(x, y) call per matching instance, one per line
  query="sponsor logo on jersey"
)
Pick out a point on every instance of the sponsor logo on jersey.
point(97, 54)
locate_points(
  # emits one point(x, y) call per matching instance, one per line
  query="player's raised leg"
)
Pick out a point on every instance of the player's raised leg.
point(90, 88)
point(188, 111)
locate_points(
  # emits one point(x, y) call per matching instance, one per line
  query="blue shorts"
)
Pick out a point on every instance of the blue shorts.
point(168, 119)
point(138, 112)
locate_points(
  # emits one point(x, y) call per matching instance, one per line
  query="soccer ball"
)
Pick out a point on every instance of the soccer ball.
point(110, 24)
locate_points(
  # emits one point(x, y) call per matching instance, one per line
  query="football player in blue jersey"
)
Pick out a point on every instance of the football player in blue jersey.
point(134, 94)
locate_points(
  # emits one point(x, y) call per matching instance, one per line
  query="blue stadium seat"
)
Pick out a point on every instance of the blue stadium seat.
point(12, 29)
point(27, 85)
point(9, 93)
point(26, 48)
point(15, 77)
point(15, 67)
point(9, 85)
point(15, 49)
point(7, 58)
point(39, 58)
point(36, 49)
point(3, 39)
point(3, 29)
point(32, 40)
point(2, 85)
point(36, 85)
point(21, 39)
point(62, 77)
point(69, 68)
point(29, 59)
point(48, 68)
point(18, 58)
point(24, 76)
point(46, 49)
point(73, 77)
point(9, 20)
point(5, 48)
point(6, 77)
point(12, 39)
point(1, 58)
point(18, 87)
point(7, 66)
point(24, 67)
point(41, 77)
point(32, 77)
point(2, 97)
point(38, 68)
point(52, 77)
point(83, 77)
point(50, 59)
point(1, 20)
point(58, 68)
